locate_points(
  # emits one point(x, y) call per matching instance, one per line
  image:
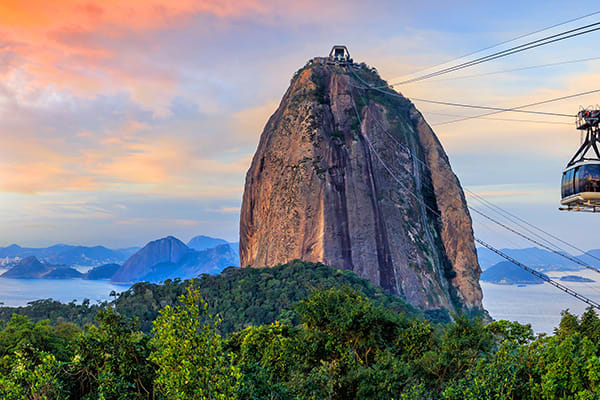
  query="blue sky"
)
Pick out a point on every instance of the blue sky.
point(125, 123)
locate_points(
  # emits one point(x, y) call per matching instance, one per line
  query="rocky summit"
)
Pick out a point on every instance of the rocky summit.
point(334, 180)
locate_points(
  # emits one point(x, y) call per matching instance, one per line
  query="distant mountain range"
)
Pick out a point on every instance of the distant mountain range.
point(162, 259)
point(64, 254)
point(541, 259)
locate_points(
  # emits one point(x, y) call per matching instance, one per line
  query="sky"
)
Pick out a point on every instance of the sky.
point(123, 122)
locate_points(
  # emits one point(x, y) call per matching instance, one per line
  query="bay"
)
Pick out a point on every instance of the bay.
point(539, 305)
point(18, 292)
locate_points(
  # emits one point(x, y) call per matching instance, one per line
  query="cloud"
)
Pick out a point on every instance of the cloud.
point(39, 176)
point(224, 210)
point(110, 46)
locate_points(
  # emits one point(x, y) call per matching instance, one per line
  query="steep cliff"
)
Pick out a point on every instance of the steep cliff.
point(317, 191)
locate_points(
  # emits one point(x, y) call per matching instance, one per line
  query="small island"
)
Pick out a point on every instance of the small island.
point(575, 278)
point(506, 273)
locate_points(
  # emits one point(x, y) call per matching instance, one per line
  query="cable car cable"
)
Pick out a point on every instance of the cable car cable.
point(495, 233)
point(501, 119)
point(517, 263)
point(524, 106)
point(514, 50)
point(572, 259)
point(507, 41)
point(490, 204)
point(507, 215)
point(506, 71)
point(445, 103)
point(497, 110)
point(543, 277)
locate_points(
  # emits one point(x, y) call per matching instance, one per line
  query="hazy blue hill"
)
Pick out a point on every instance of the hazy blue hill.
point(506, 273)
point(105, 271)
point(532, 256)
point(202, 242)
point(165, 250)
point(592, 257)
point(170, 258)
point(192, 264)
point(235, 247)
point(27, 268)
point(209, 261)
point(63, 273)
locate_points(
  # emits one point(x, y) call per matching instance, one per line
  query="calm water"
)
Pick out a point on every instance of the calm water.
point(538, 305)
point(18, 292)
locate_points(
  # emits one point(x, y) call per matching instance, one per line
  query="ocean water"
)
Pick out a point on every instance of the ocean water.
point(18, 292)
point(539, 305)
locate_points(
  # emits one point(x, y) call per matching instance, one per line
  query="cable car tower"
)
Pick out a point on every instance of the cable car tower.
point(580, 189)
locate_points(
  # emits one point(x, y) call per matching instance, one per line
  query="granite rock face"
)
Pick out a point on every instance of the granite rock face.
point(333, 181)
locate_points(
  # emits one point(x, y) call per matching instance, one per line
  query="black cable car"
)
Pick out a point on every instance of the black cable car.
point(580, 189)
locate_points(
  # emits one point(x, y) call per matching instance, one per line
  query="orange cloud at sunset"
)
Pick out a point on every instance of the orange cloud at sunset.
point(39, 176)
point(53, 16)
point(75, 46)
point(107, 47)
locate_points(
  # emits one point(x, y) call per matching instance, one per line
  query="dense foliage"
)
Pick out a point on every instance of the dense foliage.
point(339, 344)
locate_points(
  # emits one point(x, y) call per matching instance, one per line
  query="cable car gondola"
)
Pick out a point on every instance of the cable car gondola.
point(580, 189)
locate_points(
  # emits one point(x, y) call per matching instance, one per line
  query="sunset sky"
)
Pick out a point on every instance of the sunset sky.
point(126, 121)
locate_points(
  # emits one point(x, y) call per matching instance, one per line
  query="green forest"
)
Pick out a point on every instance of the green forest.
point(296, 331)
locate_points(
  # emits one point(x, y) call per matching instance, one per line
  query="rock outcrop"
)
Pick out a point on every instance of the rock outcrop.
point(317, 191)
